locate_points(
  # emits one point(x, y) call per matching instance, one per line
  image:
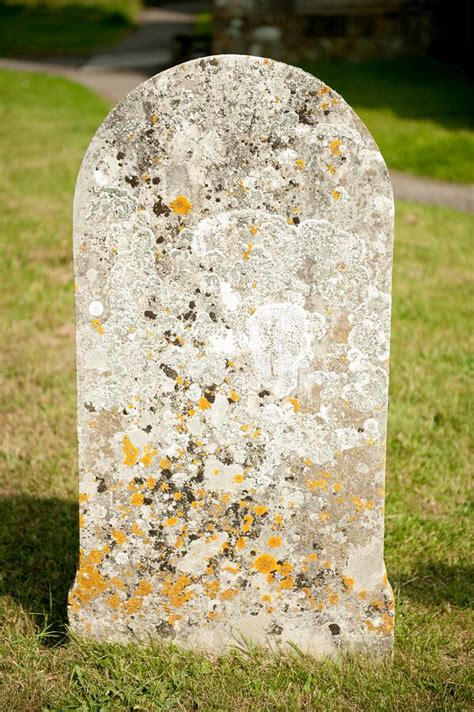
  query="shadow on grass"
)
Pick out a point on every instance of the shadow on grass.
point(39, 543)
point(43, 30)
point(438, 583)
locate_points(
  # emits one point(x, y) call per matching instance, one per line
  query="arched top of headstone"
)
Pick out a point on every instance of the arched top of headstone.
point(234, 132)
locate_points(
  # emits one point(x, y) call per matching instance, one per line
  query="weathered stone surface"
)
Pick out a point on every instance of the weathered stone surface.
point(233, 240)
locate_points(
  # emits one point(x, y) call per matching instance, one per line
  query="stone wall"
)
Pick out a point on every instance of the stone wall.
point(305, 30)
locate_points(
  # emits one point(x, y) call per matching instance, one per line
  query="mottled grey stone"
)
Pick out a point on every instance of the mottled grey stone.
point(232, 245)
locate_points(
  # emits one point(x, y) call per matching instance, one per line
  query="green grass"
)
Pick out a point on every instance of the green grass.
point(420, 112)
point(35, 28)
point(427, 542)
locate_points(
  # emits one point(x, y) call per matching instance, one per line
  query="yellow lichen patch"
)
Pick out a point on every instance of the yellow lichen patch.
point(334, 147)
point(312, 557)
point(114, 601)
point(165, 464)
point(228, 594)
point(150, 482)
point(333, 598)
point(338, 487)
point(136, 529)
point(143, 588)
point(97, 325)
point(234, 396)
point(89, 582)
point(171, 522)
point(239, 478)
point(386, 627)
point(274, 541)
point(204, 404)
point(336, 194)
point(83, 497)
point(260, 510)
point(246, 253)
point(327, 564)
point(177, 496)
point(181, 205)
point(299, 164)
point(137, 499)
point(278, 519)
point(323, 90)
point(149, 454)
point(313, 484)
point(324, 517)
point(265, 564)
point(266, 598)
point(119, 536)
point(285, 568)
point(331, 169)
point(212, 588)
point(253, 229)
point(348, 582)
point(82, 521)
point(248, 520)
point(176, 592)
point(240, 543)
point(153, 118)
point(287, 584)
point(295, 403)
point(133, 604)
point(360, 505)
point(130, 451)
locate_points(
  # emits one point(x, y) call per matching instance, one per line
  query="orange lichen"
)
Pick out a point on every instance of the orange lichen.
point(234, 396)
point(274, 541)
point(334, 147)
point(278, 519)
point(336, 194)
point(149, 454)
point(144, 588)
point(260, 509)
point(114, 601)
point(150, 482)
point(136, 529)
point(253, 229)
point(265, 563)
point(130, 451)
point(181, 205)
point(176, 592)
point(338, 487)
point(228, 594)
point(83, 497)
point(295, 403)
point(324, 517)
point(137, 499)
point(204, 404)
point(97, 325)
point(165, 464)
point(348, 582)
point(153, 118)
point(240, 543)
point(171, 521)
point(134, 604)
point(313, 484)
point(287, 584)
point(239, 478)
point(285, 568)
point(246, 253)
point(333, 598)
point(119, 536)
point(299, 164)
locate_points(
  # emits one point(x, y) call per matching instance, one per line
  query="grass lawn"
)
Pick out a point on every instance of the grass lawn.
point(420, 112)
point(427, 542)
point(35, 28)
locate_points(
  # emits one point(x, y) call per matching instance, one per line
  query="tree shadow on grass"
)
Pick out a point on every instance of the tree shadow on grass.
point(39, 544)
point(435, 583)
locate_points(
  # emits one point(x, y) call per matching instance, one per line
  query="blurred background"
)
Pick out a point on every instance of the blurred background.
point(405, 67)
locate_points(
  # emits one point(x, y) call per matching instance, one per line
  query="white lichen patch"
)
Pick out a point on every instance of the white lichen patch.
point(233, 261)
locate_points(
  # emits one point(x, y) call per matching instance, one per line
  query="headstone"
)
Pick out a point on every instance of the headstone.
point(233, 246)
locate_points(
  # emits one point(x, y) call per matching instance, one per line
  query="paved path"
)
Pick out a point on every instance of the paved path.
point(149, 49)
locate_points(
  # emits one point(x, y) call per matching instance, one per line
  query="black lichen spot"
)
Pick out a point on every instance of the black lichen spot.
point(147, 500)
point(120, 155)
point(296, 220)
point(160, 208)
point(132, 180)
point(170, 372)
point(334, 628)
point(264, 393)
point(276, 629)
point(147, 429)
point(149, 314)
point(89, 407)
point(155, 180)
point(102, 487)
